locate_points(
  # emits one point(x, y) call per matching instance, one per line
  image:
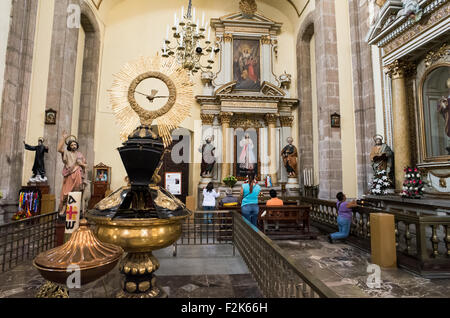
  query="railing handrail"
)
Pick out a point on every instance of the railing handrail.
point(36, 217)
point(318, 286)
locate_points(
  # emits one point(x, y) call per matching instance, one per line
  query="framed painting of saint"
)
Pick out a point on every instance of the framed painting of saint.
point(247, 64)
point(246, 153)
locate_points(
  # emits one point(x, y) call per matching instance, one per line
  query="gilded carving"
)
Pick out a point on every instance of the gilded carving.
point(433, 57)
point(243, 121)
point(286, 121)
point(399, 69)
point(225, 118)
point(227, 37)
point(414, 31)
point(265, 39)
point(271, 119)
point(164, 201)
point(248, 7)
point(207, 119)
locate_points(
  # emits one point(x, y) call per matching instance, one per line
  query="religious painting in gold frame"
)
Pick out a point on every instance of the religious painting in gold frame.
point(246, 153)
point(102, 173)
point(434, 113)
point(247, 63)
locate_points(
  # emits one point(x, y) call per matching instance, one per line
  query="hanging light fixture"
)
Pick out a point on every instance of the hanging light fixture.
point(191, 41)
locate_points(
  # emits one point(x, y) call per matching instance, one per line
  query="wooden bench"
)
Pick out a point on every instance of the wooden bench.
point(290, 221)
point(273, 219)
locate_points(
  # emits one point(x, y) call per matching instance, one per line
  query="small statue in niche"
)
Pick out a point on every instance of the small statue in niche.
point(73, 171)
point(444, 110)
point(381, 157)
point(208, 159)
point(38, 166)
point(411, 9)
point(290, 155)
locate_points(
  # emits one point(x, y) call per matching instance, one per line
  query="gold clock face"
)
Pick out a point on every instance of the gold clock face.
point(152, 94)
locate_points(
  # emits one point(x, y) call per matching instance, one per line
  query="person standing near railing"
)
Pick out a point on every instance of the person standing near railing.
point(209, 201)
point(344, 219)
point(249, 206)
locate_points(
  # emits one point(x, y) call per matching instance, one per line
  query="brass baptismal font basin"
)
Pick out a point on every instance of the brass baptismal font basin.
point(140, 218)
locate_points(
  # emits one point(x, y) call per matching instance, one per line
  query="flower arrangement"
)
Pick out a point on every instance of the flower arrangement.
point(230, 181)
point(21, 215)
point(413, 184)
point(380, 183)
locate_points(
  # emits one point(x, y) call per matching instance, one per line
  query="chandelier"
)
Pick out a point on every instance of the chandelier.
point(191, 41)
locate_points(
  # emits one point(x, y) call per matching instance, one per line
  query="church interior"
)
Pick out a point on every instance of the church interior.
point(141, 142)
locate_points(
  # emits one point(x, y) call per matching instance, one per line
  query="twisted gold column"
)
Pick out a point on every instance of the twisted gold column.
point(402, 147)
point(225, 119)
point(271, 120)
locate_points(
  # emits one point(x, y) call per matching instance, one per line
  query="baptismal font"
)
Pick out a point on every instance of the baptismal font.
point(142, 216)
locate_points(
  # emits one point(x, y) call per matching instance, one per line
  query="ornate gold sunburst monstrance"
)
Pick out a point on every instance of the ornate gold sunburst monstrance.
point(129, 114)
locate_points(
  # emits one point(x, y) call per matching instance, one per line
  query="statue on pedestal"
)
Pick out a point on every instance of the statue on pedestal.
point(73, 171)
point(290, 155)
point(382, 157)
point(208, 159)
point(38, 166)
point(444, 110)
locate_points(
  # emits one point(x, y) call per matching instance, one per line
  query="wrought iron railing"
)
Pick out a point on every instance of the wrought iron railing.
point(275, 272)
point(422, 240)
point(23, 240)
point(207, 228)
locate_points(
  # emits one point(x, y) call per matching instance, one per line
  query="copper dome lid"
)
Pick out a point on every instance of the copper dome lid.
point(93, 257)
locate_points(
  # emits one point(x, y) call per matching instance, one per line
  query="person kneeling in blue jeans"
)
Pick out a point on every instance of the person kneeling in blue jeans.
point(344, 219)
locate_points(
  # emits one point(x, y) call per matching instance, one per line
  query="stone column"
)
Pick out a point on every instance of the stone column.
point(402, 147)
point(225, 119)
point(271, 120)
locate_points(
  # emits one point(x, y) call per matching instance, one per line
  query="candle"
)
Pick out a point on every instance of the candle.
point(181, 40)
point(165, 48)
point(203, 19)
point(182, 12)
point(209, 33)
point(193, 17)
point(197, 26)
point(175, 19)
point(211, 57)
point(167, 33)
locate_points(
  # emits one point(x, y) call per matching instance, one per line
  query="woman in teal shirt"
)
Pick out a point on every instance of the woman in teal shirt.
point(250, 192)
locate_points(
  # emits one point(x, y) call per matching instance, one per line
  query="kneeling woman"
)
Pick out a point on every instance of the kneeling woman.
point(344, 219)
point(250, 192)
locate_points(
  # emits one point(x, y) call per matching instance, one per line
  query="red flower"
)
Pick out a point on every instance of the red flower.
point(404, 169)
point(414, 181)
point(409, 169)
point(415, 170)
point(420, 181)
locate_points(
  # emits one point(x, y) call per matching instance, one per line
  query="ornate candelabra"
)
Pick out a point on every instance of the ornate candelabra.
point(191, 41)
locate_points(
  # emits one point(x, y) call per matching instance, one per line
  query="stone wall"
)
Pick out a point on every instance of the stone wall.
point(15, 98)
point(364, 99)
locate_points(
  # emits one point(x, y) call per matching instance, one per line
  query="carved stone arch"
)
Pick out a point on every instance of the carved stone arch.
point(89, 82)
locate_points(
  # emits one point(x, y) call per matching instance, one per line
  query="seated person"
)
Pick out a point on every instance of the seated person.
point(274, 201)
point(229, 200)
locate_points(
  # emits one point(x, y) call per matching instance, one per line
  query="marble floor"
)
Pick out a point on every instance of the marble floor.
point(196, 272)
point(215, 272)
point(344, 268)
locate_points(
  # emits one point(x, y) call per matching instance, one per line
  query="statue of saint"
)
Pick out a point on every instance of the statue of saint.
point(38, 166)
point(290, 155)
point(411, 9)
point(444, 110)
point(208, 159)
point(381, 156)
point(73, 171)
